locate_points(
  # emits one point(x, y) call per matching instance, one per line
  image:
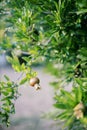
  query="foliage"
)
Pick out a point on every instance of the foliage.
point(53, 32)
point(68, 101)
point(9, 93)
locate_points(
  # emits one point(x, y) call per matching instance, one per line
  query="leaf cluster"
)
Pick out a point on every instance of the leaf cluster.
point(8, 94)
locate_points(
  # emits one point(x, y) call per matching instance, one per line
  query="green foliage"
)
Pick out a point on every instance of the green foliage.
point(54, 32)
point(9, 93)
point(67, 101)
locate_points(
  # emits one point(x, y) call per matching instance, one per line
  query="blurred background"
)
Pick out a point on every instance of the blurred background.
point(31, 105)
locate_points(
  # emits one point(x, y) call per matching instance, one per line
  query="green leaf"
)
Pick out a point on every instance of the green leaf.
point(69, 97)
point(69, 121)
point(64, 114)
point(6, 77)
point(81, 11)
point(4, 93)
point(60, 106)
point(83, 51)
point(9, 59)
point(23, 80)
point(78, 93)
point(78, 80)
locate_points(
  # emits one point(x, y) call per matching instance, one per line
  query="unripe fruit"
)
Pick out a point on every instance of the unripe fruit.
point(78, 110)
point(78, 114)
point(79, 106)
point(34, 82)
